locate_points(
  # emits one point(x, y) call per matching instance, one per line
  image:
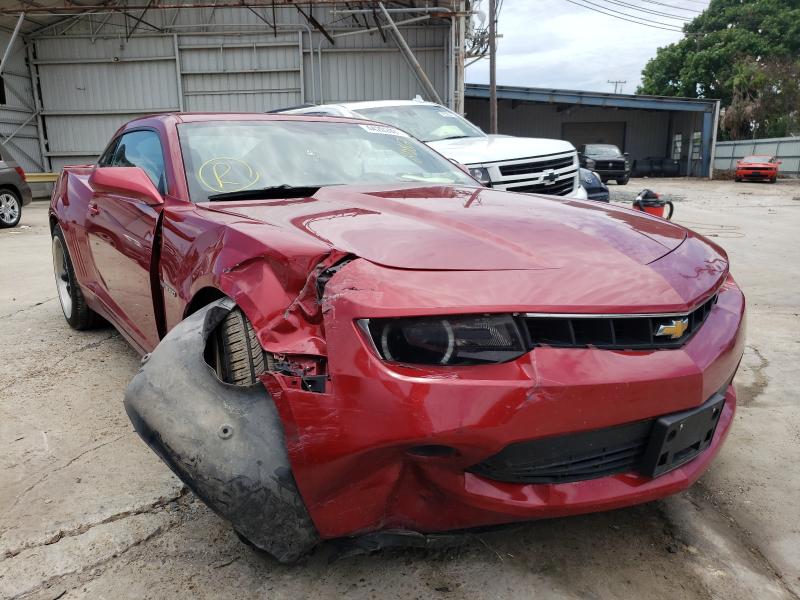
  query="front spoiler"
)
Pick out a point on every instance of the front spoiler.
point(225, 442)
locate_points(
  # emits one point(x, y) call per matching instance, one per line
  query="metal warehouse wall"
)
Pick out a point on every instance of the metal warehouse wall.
point(786, 149)
point(18, 134)
point(646, 132)
point(93, 79)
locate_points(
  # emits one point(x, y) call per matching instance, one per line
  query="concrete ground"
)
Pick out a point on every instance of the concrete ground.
point(87, 511)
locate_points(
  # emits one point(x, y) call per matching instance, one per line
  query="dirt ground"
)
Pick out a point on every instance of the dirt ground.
point(87, 511)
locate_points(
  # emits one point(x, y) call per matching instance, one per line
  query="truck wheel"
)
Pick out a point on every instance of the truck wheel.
point(238, 356)
point(623, 180)
point(10, 209)
point(76, 312)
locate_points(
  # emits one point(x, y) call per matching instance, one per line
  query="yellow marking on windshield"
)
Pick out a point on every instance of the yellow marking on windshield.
point(227, 174)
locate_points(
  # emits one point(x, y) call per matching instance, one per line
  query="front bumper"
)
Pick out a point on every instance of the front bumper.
point(390, 446)
point(613, 173)
point(755, 174)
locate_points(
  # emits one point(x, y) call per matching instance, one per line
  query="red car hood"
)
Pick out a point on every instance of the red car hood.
point(465, 229)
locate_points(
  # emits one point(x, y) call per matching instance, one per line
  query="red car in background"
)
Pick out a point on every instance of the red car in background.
point(758, 167)
point(346, 336)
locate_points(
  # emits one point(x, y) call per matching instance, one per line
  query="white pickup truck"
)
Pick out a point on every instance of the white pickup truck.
point(515, 164)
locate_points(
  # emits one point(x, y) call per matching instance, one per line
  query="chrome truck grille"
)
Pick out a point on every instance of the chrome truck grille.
point(552, 174)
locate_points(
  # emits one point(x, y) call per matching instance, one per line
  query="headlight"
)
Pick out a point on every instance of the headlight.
point(590, 164)
point(481, 174)
point(449, 340)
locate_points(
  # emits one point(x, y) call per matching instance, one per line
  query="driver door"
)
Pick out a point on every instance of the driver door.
point(120, 232)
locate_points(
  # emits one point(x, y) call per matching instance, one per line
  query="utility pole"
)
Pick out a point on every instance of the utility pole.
point(618, 82)
point(492, 66)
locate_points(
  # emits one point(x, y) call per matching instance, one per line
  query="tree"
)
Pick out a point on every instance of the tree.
point(746, 53)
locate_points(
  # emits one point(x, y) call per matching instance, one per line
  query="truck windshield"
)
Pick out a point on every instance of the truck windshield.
point(426, 122)
point(232, 156)
point(602, 150)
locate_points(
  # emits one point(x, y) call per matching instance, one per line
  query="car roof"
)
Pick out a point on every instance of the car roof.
point(210, 117)
point(383, 103)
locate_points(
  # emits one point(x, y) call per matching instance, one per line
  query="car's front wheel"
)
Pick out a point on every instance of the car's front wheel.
point(10, 209)
point(237, 354)
point(623, 180)
point(76, 312)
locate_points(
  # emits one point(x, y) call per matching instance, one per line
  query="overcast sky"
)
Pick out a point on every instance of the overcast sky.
point(554, 43)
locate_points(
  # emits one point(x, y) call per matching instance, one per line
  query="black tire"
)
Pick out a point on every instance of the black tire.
point(623, 180)
point(774, 180)
point(76, 312)
point(10, 208)
point(238, 356)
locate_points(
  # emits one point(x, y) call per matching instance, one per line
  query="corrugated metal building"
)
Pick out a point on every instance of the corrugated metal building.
point(646, 127)
point(74, 77)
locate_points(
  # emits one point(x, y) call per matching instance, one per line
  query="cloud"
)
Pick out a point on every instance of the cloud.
point(555, 44)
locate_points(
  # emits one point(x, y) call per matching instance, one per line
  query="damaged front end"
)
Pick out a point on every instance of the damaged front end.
point(225, 442)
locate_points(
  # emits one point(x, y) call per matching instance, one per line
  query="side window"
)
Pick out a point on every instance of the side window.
point(105, 158)
point(141, 149)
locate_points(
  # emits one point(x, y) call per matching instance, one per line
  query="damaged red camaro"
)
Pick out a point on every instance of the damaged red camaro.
point(345, 336)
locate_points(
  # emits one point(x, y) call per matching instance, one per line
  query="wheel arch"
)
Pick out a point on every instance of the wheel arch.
point(203, 297)
point(12, 188)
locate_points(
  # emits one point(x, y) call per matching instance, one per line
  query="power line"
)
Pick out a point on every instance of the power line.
point(646, 23)
point(645, 19)
point(674, 6)
point(647, 10)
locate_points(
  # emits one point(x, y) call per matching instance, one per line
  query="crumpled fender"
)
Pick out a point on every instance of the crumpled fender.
point(225, 442)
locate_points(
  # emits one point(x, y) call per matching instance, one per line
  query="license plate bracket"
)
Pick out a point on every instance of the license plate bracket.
point(679, 437)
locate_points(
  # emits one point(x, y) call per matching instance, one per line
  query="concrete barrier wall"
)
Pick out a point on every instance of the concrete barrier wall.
point(786, 149)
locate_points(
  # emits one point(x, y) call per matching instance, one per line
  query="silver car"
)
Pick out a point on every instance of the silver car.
point(14, 193)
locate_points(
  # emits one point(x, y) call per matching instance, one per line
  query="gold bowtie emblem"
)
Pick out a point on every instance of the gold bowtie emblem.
point(675, 329)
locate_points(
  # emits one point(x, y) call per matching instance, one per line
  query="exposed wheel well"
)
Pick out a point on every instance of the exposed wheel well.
point(203, 297)
point(11, 188)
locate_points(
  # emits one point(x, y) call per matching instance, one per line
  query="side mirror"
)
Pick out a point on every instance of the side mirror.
point(126, 181)
point(626, 154)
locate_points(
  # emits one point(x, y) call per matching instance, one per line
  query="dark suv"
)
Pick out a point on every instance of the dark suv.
point(608, 161)
point(14, 193)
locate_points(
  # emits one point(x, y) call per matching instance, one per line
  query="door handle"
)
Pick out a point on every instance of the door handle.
point(93, 209)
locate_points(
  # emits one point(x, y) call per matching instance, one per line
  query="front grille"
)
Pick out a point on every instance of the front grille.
point(557, 188)
point(616, 332)
point(536, 167)
point(602, 165)
point(573, 457)
point(749, 168)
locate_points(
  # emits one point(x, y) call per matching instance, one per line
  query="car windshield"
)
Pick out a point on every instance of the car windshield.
point(232, 156)
point(756, 158)
point(426, 122)
point(602, 150)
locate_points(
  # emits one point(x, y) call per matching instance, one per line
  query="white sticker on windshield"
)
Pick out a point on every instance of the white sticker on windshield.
point(447, 114)
point(383, 130)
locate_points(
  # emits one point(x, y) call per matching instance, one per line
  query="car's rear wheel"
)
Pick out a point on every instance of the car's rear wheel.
point(76, 312)
point(237, 354)
point(10, 209)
